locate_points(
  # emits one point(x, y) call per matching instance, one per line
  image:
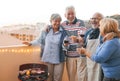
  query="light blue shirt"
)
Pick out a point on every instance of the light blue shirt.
point(51, 49)
point(108, 55)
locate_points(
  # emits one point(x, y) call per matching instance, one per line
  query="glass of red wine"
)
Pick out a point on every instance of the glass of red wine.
point(66, 41)
point(82, 35)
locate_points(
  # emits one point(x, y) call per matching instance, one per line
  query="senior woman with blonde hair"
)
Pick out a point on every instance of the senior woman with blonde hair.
point(108, 53)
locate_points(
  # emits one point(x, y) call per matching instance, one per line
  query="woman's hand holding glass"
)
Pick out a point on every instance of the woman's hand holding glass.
point(66, 42)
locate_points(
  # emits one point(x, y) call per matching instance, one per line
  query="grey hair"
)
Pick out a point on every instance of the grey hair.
point(55, 16)
point(70, 8)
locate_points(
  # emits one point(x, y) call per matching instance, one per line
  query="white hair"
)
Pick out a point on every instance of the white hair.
point(70, 8)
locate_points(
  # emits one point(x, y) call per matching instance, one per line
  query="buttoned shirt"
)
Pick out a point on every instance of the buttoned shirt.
point(51, 50)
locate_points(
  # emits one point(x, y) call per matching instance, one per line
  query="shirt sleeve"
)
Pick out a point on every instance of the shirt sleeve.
point(104, 52)
point(40, 40)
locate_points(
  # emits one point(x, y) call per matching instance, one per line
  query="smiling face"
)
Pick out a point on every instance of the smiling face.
point(95, 20)
point(70, 14)
point(55, 23)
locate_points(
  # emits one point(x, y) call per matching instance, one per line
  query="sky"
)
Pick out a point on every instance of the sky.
point(33, 11)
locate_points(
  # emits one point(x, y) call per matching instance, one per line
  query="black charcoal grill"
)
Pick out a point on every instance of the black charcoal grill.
point(33, 72)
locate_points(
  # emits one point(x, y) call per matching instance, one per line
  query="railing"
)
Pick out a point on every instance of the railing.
point(13, 56)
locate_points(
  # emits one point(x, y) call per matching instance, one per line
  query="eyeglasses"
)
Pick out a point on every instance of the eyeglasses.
point(94, 18)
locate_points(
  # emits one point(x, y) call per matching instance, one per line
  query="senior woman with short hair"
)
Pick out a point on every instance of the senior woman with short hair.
point(51, 42)
point(53, 55)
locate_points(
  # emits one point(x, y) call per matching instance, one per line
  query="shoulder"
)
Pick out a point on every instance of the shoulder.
point(62, 30)
point(64, 23)
point(114, 43)
point(80, 22)
point(46, 28)
point(89, 30)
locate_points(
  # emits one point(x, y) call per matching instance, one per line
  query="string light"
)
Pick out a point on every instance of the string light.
point(28, 50)
point(6, 50)
point(22, 50)
point(12, 50)
point(2, 50)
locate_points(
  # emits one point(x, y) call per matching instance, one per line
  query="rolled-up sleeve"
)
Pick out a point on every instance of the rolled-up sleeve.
point(104, 52)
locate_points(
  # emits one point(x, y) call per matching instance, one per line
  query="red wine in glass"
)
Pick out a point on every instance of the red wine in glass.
point(66, 41)
point(82, 35)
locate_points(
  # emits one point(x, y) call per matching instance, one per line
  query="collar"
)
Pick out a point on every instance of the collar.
point(74, 21)
point(60, 28)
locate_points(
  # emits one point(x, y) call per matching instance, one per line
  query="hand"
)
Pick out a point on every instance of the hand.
point(78, 50)
point(73, 38)
point(27, 43)
point(66, 44)
point(81, 50)
point(80, 39)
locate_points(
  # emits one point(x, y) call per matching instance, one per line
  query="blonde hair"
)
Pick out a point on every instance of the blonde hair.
point(109, 28)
